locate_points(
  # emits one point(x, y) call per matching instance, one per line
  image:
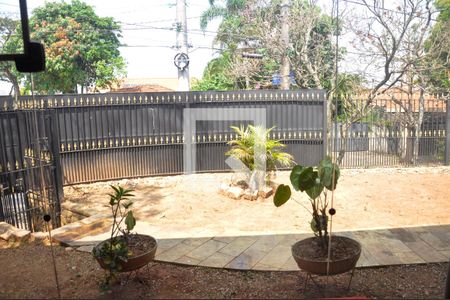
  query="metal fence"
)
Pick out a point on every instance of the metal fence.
point(49, 141)
point(394, 131)
point(30, 185)
point(111, 136)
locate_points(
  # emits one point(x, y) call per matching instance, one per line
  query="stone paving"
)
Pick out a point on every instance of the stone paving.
point(409, 245)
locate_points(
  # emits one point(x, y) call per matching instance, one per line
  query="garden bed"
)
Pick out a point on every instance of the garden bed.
point(191, 205)
point(28, 273)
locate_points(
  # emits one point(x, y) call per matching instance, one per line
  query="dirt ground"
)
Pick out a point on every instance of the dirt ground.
point(364, 198)
point(27, 272)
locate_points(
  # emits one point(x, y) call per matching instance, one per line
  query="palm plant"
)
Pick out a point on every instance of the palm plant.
point(253, 138)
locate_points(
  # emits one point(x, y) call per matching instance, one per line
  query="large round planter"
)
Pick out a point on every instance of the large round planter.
point(319, 266)
point(134, 262)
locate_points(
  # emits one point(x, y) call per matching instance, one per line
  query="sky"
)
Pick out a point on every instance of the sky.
point(147, 34)
point(149, 39)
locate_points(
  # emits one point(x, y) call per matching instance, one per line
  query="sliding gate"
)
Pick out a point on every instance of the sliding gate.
point(30, 183)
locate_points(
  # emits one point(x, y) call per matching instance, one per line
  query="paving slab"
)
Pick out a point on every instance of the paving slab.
point(394, 246)
point(248, 259)
point(187, 261)
point(217, 260)
point(445, 253)
point(290, 265)
point(431, 239)
point(366, 259)
point(175, 252)
point(238, 245)
point(277, 257)
point(425, 251)
point(409, 257)
point(166, 244)
point(263, 267)
point(225, 239)
point(206, 249)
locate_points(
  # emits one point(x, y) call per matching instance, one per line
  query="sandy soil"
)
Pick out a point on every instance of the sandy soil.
point(373, 198)
point(28, 273)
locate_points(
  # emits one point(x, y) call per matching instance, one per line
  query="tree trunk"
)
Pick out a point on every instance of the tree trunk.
point(15, 83)
point(403, 143)
point(285, 68)
point(418, 126)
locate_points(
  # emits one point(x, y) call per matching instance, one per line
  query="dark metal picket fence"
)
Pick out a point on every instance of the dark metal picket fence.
point(111, 136)
point(30, 179)
point(51, 141)
point(389, 136)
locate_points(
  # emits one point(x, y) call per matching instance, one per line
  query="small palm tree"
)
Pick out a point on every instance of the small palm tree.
point(257, 137)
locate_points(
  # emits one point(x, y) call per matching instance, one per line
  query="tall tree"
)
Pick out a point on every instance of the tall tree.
point(10, 43)
point(215, 75)
point(256, 26)
point(437, 46)
point(391, 44)
point(82, 49)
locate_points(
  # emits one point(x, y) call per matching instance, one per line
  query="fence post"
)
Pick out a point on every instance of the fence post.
point(54, 140)
point(447, 135)
point(325, 126)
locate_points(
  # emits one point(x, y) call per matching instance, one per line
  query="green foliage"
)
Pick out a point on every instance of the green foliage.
point(254, 26)
point(315, 182)
point(115, 250)
point(228, 11)
point(214, 76)
point(81, 47)
point(437, 46)
point(257, 137)
point(10, 42)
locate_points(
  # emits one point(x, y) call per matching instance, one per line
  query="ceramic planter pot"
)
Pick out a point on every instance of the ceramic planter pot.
point(319, 266)
point(134, 262)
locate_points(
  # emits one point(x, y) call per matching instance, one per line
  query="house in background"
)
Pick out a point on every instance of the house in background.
point(146, 85)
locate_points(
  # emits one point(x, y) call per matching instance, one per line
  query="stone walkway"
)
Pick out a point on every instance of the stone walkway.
point(410, 245)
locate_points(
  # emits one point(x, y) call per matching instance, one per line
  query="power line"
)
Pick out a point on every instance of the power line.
point(9, 4)
point(157, 21)
point(385, 9)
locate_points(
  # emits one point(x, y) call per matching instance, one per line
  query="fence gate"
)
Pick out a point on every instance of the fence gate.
point(30, 185)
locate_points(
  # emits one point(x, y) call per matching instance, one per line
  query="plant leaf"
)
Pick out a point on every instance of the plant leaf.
point(325, 169)
point(282, 195)
point(127, 204)
point(307, 179)
point(315, 191)
point(295, 176)
point(130, 221)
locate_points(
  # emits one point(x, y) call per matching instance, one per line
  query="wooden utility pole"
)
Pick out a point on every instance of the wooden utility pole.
point(285, 68)
point(182, 44)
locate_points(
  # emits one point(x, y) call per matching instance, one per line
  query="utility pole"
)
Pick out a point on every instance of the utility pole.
point(285, 68)
point(182, 47)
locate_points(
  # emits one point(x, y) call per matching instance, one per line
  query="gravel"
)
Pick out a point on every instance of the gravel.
point(27, 272)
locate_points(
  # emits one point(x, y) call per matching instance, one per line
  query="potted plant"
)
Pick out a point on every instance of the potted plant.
point(311, 254)
point(124, 251)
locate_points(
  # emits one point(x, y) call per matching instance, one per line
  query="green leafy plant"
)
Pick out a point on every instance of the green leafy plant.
point(315, 182)
point(115, 250)
point(252, 137)
point(249, 140)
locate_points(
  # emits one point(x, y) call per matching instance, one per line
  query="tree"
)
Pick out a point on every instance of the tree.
point(81, 48)
point(215, 77)
point(232, 20)
point(10, 38)
point(437, 48)
point(393, 42)
point(256, 26)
